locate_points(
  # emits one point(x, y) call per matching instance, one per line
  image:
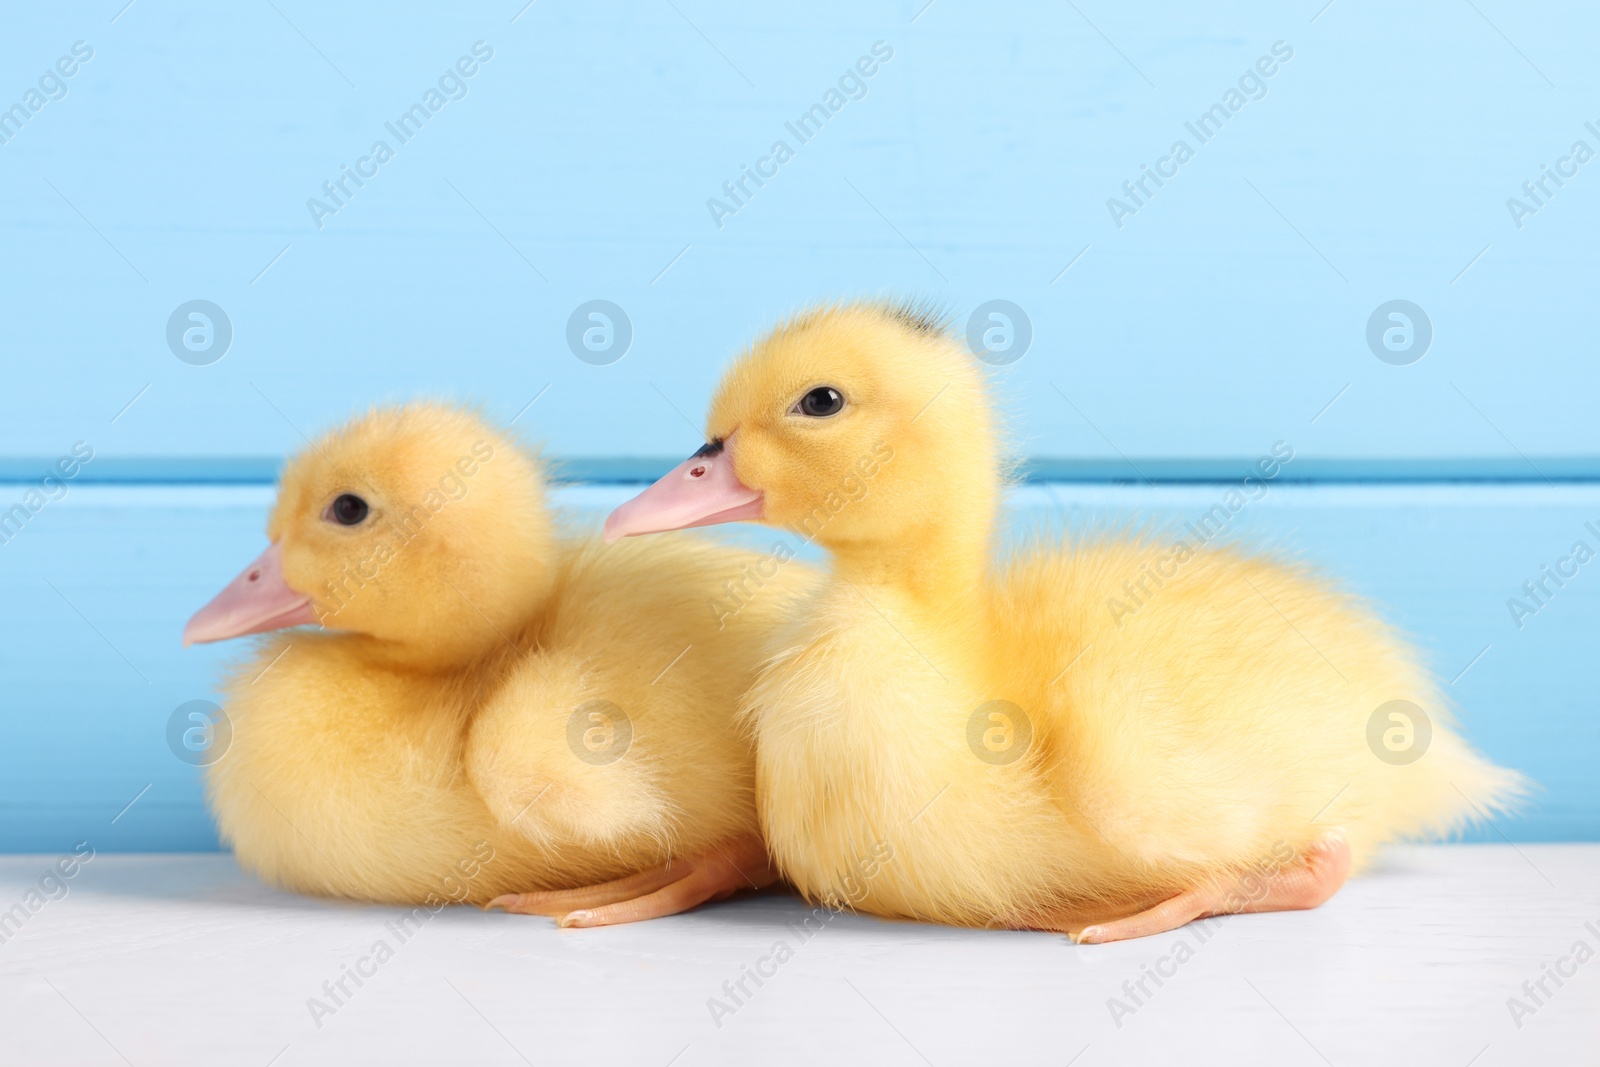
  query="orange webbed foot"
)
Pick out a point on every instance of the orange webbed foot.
point(1306, 884)
point(714, 873)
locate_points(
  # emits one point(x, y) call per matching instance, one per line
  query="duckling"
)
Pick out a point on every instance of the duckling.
point(948, 737)
point(493, 711)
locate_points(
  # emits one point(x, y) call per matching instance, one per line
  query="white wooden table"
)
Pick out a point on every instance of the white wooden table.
point(183, 959)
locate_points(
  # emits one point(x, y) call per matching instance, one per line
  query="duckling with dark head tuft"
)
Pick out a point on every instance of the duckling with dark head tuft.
point(946, 736)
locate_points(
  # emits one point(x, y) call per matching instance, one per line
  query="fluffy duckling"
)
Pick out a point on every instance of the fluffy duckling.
point(492, 712)
point(947, 737)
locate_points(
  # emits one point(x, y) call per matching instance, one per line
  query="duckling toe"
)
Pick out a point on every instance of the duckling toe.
point(1307, 884)
point(558, 902)
point(714, 873)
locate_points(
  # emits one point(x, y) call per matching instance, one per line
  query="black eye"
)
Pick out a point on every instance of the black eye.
point(348, 510)
point(821, 402)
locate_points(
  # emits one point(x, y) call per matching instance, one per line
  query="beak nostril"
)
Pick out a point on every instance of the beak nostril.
point(698, 472)
point(255, 575)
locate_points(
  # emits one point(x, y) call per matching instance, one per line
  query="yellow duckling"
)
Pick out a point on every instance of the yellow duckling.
point(948, 738)
point(494, 712)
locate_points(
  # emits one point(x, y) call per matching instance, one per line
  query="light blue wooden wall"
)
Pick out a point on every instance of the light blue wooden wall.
point(1229, 311)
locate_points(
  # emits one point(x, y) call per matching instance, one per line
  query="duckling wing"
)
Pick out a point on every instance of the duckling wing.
point(1206, 708)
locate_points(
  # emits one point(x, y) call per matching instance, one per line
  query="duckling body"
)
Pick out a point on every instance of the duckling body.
point(644, 760)
point(1205, 735)
point(945, 736)
point(361, 795)
point(496, 708)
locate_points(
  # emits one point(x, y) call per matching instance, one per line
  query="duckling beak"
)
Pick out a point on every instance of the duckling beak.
point(703, 490)
point(256, 601)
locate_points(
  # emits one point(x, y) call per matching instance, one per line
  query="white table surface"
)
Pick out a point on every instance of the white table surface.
point(184, 959)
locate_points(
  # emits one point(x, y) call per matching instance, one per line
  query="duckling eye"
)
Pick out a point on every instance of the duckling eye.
point(348, 509)
point(820, 403)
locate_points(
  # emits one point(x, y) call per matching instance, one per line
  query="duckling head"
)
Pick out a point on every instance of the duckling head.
point(418, 525)
point(855, 426)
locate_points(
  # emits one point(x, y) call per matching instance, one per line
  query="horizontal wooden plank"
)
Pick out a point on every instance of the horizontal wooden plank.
point(99, 583)
point(19, 472)
point(978, 163)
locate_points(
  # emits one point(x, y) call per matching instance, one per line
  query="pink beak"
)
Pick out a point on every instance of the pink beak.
point(256, 601)
point(703, 490)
